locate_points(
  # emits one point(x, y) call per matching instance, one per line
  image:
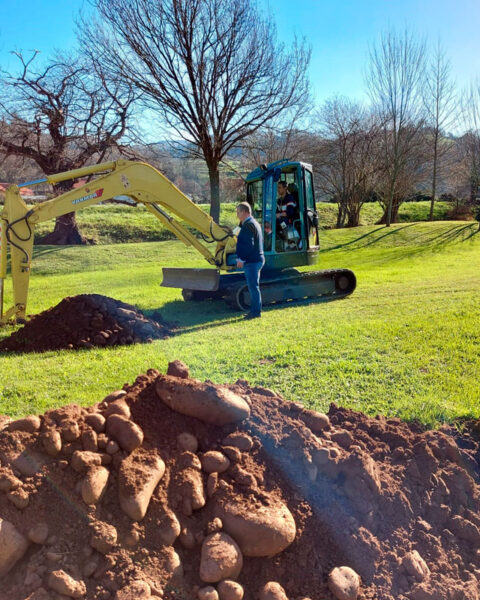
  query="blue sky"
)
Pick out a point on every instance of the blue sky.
point(339, 32)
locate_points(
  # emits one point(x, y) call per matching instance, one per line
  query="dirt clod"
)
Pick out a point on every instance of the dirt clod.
point(137, 590)
point(62, 583)
point(178, 369)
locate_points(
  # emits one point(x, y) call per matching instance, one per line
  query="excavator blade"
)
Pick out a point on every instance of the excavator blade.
point(192, 279)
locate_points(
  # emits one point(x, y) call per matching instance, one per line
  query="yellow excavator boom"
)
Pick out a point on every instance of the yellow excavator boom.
point(139, 181)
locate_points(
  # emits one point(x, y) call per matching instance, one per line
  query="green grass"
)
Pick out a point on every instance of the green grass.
point(406, 343)
point(371, 213)
point(115, 224)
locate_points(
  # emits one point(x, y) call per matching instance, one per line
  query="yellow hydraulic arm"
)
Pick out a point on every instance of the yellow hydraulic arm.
point(139, 181)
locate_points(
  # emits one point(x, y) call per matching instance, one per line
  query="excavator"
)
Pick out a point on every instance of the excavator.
point(295, 246)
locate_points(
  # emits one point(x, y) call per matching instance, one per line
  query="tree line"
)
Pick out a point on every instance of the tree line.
point(214, 77)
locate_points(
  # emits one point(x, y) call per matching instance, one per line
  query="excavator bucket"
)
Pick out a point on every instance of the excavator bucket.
point(206, 280)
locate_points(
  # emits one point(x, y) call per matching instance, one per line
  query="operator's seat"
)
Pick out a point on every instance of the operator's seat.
point(293, 190)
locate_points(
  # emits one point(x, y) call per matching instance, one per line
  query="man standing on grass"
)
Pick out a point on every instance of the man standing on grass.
point(250, 256)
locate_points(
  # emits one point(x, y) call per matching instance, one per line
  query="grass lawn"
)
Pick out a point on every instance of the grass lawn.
point(406, 343)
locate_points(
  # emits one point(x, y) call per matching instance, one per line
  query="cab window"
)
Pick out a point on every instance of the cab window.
point(255, 198)
point(311, 212)
point(309, 190)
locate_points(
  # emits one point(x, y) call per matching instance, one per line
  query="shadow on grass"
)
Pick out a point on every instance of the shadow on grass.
point(425, 241)
point(367, 237)
point(452, 234)
point(187, 317)
point(44, 250)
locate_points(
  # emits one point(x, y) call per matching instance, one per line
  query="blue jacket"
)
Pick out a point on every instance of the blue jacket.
point(250, 241)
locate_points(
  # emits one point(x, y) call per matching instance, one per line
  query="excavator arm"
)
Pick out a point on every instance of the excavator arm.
point(139, 181)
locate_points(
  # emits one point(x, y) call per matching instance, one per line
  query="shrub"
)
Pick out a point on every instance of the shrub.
point(463, 212)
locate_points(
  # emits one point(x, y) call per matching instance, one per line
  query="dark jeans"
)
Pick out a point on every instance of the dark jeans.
point(252, 275)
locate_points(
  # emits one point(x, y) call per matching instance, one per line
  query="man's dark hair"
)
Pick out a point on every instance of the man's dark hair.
point(245, 207)
point(283, 183)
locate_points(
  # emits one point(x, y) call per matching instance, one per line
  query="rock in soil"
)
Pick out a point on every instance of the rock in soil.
point(230, 590)
point(216, 405)
point(344, 583)
point(221, 558)
point(301, 496)
point(13, 546)
point(263, 530)
point(272, 591)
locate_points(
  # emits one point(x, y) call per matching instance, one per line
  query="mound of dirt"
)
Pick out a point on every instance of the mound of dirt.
point(140, 497)
point(85, 321)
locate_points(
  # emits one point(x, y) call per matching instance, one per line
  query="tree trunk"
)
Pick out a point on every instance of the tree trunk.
point(434, 176)
point(390, 214)
point(214, 176)
point(474, 185)
point(66, 230)
point(353, 217)
point(388, 217)
point(340, 217)
point(342, 212)
point(432, 204)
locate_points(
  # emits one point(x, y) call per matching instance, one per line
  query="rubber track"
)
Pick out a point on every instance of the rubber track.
point(235, 293)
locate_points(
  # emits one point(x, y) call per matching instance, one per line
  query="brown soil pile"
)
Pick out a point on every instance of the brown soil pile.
point(85, 321)
point(137, 498)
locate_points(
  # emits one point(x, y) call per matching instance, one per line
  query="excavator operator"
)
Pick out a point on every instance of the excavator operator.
point(288, 236)
point(287, 207)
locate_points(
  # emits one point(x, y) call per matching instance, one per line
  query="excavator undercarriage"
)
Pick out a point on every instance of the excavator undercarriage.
point(288, 285)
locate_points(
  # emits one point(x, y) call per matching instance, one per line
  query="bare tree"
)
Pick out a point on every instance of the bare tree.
point(289, 138)
point(441, 106)
point(212, 69)
point(61, 116)
point(470, 141)
point(346, 160)
point(393, 77)
point(13, 168)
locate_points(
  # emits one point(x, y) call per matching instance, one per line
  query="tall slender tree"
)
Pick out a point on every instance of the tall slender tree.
point(441, 107)
point(212, 70)
point(394, 73)
point(470, 141)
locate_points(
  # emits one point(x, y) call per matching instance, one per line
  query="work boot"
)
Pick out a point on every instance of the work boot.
point(251, 316)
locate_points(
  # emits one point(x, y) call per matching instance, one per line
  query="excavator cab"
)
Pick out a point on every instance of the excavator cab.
point(291, 244)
